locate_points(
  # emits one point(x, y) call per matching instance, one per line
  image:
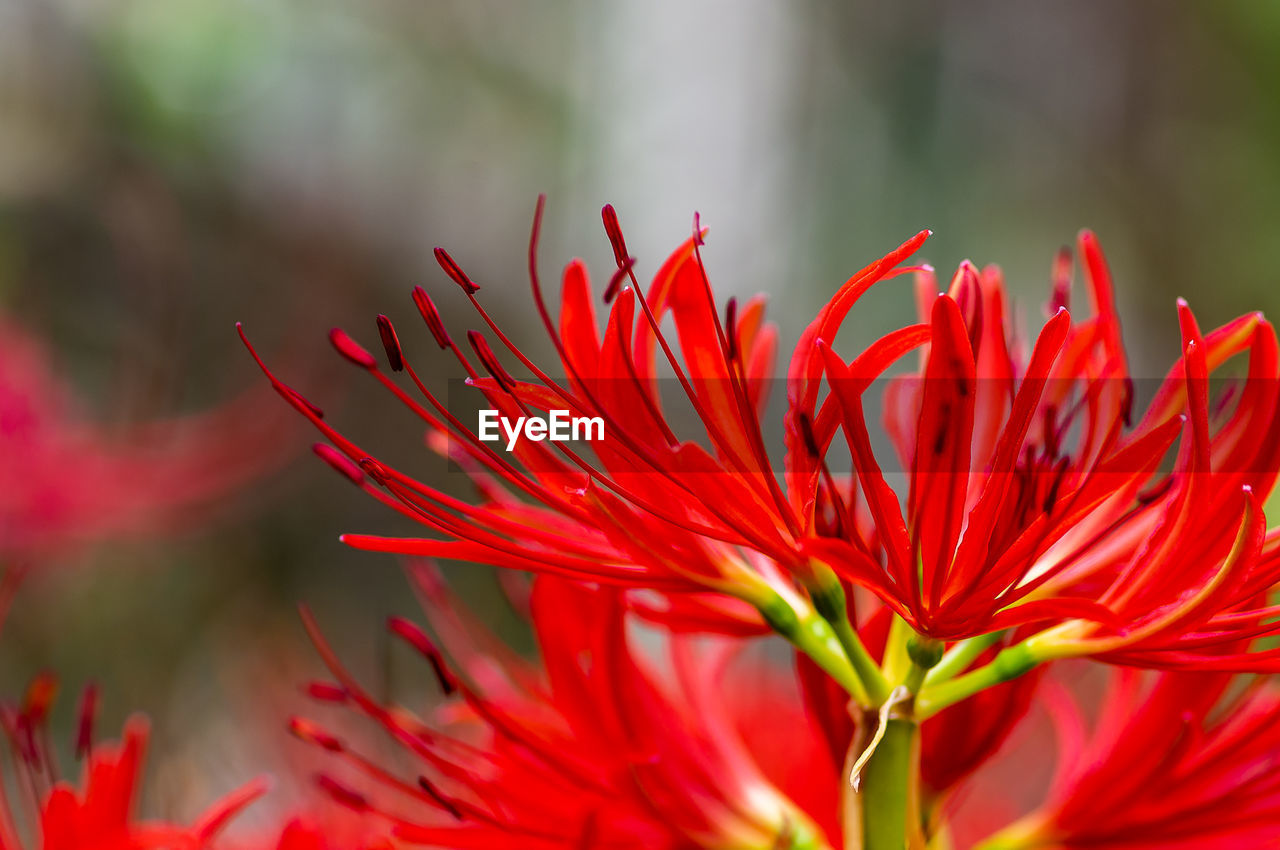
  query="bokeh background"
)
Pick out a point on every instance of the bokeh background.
point(169, 167)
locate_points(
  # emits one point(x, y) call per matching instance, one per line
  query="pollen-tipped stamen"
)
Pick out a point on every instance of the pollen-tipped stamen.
point(455, 272)
point(391, 344)
point(351, 350)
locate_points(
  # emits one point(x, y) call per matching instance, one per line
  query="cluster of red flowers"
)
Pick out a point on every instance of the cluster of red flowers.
point(1044, 517)
point(1046, 514)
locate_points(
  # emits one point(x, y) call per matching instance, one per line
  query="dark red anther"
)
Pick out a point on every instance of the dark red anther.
point(374, 470)
point(731, 326)
point(351, 349)
point(84, 729)
point(431, 316)
point(326, 692)
point(1055, 484)
point(342, 794)
point(806, 433)
point(615, 282)
point(697, 230)
point(39, 698)
point(1126, 403)
point(443, 801)
point(391, 343)
point(614, 231)
point(1051, 441)
point(487, 359)
point(411, 634)
point(456, 274)
point(339, 462)
point(305, 730)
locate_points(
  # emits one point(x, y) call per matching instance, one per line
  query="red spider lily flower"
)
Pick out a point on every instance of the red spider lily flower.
point(644, 508)
point(66, 481)
point(1176, 761)
point(99, 813)
point(1031, 500)
point(593, 749)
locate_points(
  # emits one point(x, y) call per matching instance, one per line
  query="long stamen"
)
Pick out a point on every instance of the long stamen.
point(625, 264)
point(490, 361)
point(473, 445)
point(846, 529)
point(411, 634)
point(88, 711)
point(620, 434)
point(717, 437)
point(731, 322)
point(550, 756)
point(746, 414)
point(444, 802)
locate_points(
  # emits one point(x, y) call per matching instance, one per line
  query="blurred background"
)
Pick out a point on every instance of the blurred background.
point(170, 167)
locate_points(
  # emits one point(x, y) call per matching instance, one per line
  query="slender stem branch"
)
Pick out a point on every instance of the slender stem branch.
point(866, 667)
point(960, 656)
point(830, 602)
point(1009, 664)
point(816, 638)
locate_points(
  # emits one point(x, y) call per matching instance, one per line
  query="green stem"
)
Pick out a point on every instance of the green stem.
point(890, 790)
point(1009, 664)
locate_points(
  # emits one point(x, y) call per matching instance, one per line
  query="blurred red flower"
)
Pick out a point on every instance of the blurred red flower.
point(98, 813)
point(67, 482)
point(1175, 761)
point(593, 748)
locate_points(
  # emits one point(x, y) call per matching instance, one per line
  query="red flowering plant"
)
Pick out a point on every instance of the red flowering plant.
point(42, 809)
point(68, 482)
point(594, 747)
point(1042, 518)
